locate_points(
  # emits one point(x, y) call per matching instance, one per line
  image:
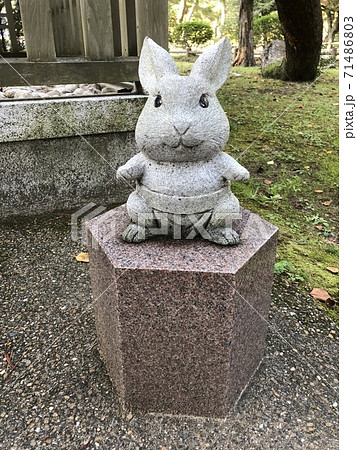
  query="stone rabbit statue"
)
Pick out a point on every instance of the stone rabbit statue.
point(182, 175)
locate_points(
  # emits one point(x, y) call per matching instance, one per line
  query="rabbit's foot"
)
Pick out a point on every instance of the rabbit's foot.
point(135, 233)
point(223, 236)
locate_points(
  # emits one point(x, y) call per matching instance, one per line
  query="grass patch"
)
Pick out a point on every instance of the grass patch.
point(286, 135)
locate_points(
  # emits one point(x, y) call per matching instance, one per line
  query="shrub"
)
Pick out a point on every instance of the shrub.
point(192, 33)
point(267, 29)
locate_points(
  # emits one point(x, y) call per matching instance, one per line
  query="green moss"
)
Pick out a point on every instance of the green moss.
point(295, 125)
point(275, 69)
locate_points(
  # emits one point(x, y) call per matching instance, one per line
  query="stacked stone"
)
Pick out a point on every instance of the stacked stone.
point(63, 90)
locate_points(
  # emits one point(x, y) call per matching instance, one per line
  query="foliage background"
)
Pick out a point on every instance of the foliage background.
point(222, 15)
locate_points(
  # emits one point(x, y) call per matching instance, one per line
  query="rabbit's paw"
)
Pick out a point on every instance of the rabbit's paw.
point(244, 176)
point(223, 236)
point(123, 174)
point(135, 233)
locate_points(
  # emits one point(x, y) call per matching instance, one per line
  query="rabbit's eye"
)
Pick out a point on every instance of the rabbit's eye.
point(158, 101)
point(204, 101)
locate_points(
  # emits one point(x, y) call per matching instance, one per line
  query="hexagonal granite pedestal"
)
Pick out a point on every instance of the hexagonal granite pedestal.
point(181, 324)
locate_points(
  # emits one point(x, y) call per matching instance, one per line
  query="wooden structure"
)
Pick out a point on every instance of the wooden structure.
point(83, 41)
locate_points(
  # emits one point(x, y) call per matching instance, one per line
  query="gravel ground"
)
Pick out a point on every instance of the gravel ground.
point(58, 395)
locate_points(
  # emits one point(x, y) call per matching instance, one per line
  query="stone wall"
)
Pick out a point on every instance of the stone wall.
point(58, 155)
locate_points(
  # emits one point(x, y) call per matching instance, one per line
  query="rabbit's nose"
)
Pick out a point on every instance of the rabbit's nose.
point(182, 127)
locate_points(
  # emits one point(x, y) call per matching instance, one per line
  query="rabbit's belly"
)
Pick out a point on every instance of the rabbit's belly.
point(178, 204)
point(193, 179)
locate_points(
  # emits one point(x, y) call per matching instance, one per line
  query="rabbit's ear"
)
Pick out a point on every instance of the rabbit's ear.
point(155, 63)
point(214, 64)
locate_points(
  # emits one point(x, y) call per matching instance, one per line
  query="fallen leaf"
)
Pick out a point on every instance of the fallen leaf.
point(320, 294)
point(306, 167)
point(318, 191)
point(8, 360)
point(270, 163)
point(267, 182)
point(327, 203)
point(328, 151)
point(319, 227)
point(309, 125)
point(266, 147)
point(334, 270)
point(82, 257)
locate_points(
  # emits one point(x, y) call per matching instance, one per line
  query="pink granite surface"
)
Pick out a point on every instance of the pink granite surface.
point(181, 324)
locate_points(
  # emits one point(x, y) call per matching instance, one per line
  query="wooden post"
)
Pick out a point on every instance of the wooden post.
point(131, 21)
point(78, 16)
point(38, 31)
point(97, 29)
point(67, 28)
point(152, 20)
point(76, 23)
point(127, 18)
point(116, 27)
point(123, 28)
point(11, 27)
point(60, 38)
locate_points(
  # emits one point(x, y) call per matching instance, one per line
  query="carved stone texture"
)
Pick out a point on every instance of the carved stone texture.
point(181, 324)
point(181, 132)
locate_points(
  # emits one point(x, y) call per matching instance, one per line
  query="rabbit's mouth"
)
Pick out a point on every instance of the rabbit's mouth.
point(187, 145)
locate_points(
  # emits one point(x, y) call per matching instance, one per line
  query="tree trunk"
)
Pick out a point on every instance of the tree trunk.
point(223, 14)
point(190, 12)
point(182, 11)
point(3, 45)
point(335, 28)
point(245, 54)
point(301, 21)
point(332, 28)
